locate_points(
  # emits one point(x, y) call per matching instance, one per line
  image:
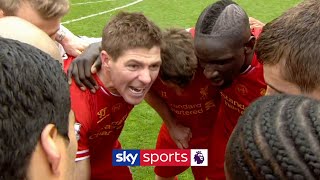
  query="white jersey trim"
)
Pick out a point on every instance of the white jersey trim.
point(249, 68)
point(82, 158)
point(83, 151)
point(109, 93)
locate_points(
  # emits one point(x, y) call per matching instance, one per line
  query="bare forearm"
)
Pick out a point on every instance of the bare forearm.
point(161, 107)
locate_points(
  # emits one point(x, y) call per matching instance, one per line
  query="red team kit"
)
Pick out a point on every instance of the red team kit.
point(210, 114)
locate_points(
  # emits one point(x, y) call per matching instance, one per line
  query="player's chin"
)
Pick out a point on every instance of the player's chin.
point(226, 84)
point(134, 99)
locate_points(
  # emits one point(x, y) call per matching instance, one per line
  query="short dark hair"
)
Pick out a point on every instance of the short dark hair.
point(179, 62)
point(127, 31)
point(223, 18)
point(278, 137)
point(293, 39)
point(33, 93)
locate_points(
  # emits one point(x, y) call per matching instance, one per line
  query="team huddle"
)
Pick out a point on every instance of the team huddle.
point(246, 91)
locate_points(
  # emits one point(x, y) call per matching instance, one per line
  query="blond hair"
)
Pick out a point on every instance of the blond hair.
point(47, 9)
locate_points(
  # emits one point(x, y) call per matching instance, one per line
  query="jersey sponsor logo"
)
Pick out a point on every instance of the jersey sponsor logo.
point(103, 114)
point(204, 93)
point(116, 107)
point(209, 104)
point(160, 157)
point(262, 91)
point(242, 89)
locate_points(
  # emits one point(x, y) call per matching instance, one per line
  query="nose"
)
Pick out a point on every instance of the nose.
point(145, 76)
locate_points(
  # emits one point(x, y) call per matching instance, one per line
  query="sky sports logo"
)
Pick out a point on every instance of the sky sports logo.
point(160, 157)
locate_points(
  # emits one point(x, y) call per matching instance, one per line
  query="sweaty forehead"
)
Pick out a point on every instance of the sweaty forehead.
point(208, 47)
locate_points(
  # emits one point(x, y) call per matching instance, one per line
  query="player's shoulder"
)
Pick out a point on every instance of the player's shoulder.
point(81, 101)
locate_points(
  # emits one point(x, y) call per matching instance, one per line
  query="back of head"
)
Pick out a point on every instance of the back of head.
point(179, 61)
point(278, 137)
point(223, 19)
point(47, 9)
point(33, 93)
point(22, 30)
point(293, 41)
point(128, 31)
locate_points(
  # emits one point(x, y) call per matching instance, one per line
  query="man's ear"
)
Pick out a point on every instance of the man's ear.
point(49, 138)
point(249, 46)
point(105, 58)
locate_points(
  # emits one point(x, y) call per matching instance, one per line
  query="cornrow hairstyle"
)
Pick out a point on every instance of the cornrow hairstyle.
point(179, 62)
point(278, 137)
point(33, 93)
point(224, 18)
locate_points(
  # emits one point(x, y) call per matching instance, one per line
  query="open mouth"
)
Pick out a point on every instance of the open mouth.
point(217, 81)
point(137, 91)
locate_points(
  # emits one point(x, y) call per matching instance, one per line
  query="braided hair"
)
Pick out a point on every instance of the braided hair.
point(278, 137)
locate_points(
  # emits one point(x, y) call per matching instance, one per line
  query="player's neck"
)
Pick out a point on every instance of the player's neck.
point(104, 77)
point(246, 64)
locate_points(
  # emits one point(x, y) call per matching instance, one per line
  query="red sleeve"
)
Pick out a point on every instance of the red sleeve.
point(81, 107)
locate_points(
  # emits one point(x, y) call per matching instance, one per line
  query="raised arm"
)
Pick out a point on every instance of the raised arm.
point(72, 44)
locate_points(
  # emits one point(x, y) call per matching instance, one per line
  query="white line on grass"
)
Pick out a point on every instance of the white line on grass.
point(100, 13)
point(90, 2)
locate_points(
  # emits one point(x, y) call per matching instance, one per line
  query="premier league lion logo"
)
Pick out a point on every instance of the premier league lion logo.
point(198, 157)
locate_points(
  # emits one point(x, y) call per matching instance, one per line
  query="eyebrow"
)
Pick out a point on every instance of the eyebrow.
point(275, 89)
point(227, 59)
point(138, 62)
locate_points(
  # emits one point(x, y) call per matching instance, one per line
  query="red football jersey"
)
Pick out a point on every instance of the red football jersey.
point(246, 88)
point(196, 106)
point(100, 118)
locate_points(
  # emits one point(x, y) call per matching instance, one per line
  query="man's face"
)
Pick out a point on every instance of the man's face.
point(133, 73)
point(71, 149)
point(49, 26)
point(221, 62)
point(276, 83)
